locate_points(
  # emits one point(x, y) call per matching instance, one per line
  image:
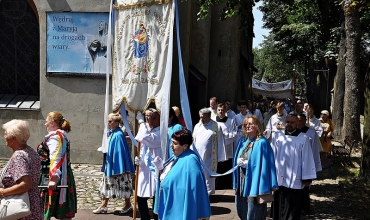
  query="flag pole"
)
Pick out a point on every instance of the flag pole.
point(136, 173)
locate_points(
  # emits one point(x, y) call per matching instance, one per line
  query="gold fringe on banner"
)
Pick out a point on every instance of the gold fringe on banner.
point(132, 109)
point(141, 4)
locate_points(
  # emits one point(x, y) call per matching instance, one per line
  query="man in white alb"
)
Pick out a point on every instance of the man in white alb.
point(149, 136)
point(276, 122)
point(312, 121)
point(209, 142)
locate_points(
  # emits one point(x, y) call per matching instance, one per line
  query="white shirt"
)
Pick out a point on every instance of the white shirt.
point(150, 148)
point(52, 142)
point(293, 160)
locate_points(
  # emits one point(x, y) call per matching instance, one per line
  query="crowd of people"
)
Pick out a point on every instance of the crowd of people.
point(268, 152)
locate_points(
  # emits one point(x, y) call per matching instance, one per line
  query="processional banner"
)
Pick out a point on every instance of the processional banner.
point(278, 90)
point(141, 43)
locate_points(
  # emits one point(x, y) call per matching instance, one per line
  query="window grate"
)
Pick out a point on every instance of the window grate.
point(20, 58)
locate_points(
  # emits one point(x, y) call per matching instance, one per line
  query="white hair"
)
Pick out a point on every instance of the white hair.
point(18, 129)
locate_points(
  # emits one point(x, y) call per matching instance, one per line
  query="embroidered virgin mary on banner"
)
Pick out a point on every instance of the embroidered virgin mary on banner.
point(141, 40)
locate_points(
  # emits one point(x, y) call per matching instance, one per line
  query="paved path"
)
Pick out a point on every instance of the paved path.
point(222, 204)
point(88, 177)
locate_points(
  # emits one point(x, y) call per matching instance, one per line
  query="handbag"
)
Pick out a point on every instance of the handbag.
point(14, 206)
point(265, 198)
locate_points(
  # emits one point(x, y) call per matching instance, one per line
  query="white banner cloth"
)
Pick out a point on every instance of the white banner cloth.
point(279, 90)
point(142, 30)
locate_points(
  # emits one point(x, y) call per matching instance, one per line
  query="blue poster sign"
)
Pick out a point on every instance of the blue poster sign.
point(77, 42)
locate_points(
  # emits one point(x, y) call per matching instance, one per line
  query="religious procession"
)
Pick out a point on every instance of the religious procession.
point(178, 110)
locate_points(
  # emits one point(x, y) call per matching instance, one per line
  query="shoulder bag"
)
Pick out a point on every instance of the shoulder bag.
point(14, 206)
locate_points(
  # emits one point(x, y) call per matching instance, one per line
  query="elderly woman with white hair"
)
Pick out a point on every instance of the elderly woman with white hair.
point(22, 172)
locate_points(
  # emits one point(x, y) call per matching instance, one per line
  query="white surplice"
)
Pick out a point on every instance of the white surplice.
point(210, 144)
point(315, 146)
point(150, 148)
point(316, 125)
point(293, 160)
point(229, 131)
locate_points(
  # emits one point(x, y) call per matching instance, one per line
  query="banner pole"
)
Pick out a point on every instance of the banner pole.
point(136, 173)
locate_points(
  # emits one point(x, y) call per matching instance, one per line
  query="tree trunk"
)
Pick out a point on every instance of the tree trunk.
point(365, 157)
point(351, 123)
point(339, 84)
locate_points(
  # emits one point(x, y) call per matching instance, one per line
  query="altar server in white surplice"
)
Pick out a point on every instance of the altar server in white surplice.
point(314, 140)
point(316, 148)
point(295, 169)
point(149, 136)
point(229, 131)
point(210, 144)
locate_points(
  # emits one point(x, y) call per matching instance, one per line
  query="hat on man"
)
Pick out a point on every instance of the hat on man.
point(325, 112)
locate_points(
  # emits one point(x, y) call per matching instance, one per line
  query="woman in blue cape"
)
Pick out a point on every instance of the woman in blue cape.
point(255, 178)
point(117, 167)
point(181, 189)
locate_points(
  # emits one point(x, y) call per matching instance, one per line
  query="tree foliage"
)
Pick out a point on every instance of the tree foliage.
point(231, 8)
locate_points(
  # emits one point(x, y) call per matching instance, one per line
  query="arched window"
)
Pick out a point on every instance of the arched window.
point(19, 55)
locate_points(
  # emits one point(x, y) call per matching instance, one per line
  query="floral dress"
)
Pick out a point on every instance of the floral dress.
point(60, 203)
point(19, 166)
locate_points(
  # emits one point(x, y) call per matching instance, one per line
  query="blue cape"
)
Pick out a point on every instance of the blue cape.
point(172, 130)
point(261, 173)
point(118, 158)
point(182, 195)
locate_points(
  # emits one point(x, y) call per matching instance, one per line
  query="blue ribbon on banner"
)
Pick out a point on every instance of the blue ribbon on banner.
point(185, 108)
point(184, 100)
